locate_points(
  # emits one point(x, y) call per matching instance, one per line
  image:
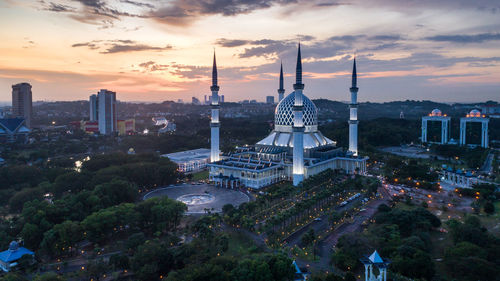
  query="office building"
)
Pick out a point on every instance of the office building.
point(270, 100)
point(106, 112)
point(93, 110)
point(22, 103)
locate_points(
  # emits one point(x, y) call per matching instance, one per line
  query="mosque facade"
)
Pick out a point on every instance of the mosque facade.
point(293, 151)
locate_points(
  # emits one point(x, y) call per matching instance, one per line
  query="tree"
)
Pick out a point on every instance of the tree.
point(135, 240)
point(349, 276)
point(95, 269)
point(49, 276)
point(308, 238)
point(13, 277)
point(489, 208)
point(118, 261)
point(32, 236)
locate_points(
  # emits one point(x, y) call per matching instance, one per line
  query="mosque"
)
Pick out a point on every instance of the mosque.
point(293, 151)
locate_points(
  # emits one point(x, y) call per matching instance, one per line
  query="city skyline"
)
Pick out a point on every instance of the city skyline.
point(145, 51)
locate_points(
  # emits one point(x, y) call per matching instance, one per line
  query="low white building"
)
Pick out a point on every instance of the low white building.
point(191, 160)
point(459, 178)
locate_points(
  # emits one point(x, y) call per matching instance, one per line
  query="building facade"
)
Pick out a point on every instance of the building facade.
point(9, 258)
point(22, 102)
point(293, 151)
point(13, 130)
point(106, 112)
point(125, 127)
point(94, 108)
point(436, 116)
point(190, 161)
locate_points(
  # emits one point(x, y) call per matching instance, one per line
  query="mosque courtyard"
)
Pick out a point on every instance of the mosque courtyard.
point(201, 198)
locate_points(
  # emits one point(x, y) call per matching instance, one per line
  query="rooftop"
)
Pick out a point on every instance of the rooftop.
point(194, 154)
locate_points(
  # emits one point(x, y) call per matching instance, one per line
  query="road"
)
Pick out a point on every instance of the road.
point(488, 164)
point(325, 246)
point(318, 226)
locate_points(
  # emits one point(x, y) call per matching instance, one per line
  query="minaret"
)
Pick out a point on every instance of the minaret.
point(281, 90)
point(214, 122)
point(353, 108)
point(298, 125)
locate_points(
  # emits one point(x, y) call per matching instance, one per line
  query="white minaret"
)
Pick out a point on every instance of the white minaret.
point(281, 90)
point(214, 122)
point(353, 118)
point(298, 125)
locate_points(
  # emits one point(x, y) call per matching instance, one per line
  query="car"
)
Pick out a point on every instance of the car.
point(317, 219)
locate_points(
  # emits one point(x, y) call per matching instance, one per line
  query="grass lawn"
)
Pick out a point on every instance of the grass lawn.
point(203, 175)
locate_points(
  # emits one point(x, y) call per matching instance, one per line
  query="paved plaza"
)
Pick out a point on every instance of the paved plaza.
point(199, 198)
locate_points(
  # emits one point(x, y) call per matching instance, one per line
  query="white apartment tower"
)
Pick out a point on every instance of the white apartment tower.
point(106, 112)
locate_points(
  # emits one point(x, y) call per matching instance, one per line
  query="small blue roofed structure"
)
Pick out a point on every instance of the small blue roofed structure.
point(375, 260)
point(9, 258)
point(300, 275)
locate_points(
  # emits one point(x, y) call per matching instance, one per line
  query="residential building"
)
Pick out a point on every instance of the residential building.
point(22, 102)
point(107, 112)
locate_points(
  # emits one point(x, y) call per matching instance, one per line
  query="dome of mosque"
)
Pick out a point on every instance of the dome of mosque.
point(436, 112)
point(475, 113)
point(283, 115)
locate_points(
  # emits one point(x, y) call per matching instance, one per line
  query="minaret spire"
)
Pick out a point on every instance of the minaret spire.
point(214, 72)
point(281, 90)
point(214, 121)
point(353, 112)
point(298, 125)
point(298, 72)
point(354, 75)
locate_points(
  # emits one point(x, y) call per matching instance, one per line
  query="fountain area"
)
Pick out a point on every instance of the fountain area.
point(200, 198)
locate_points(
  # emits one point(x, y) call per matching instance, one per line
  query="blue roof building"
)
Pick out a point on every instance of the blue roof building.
point(375, 260)
point(9, 258)
point(13, 129)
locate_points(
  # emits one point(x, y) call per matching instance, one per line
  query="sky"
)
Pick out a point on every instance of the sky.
point(145, 50)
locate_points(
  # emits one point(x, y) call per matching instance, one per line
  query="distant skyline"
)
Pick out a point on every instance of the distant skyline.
point(444, 51)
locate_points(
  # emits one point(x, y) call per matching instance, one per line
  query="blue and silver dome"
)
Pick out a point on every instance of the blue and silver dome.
point(283, 116)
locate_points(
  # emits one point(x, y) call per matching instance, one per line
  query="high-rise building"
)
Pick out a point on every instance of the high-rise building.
point(107, 112)
point(93, 111)
point(22, 103)
point(195, 101)
point(270, 99)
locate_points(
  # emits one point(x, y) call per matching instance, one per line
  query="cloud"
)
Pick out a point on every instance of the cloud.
point(317, 49)
point(96, 12)
point(184, 12)
point(56, 7)
point(123, 48)
point(386, 37)
point(119, 46)
point(138, 4)
point(329, 4)
point(229, 43)
point(475, 38)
